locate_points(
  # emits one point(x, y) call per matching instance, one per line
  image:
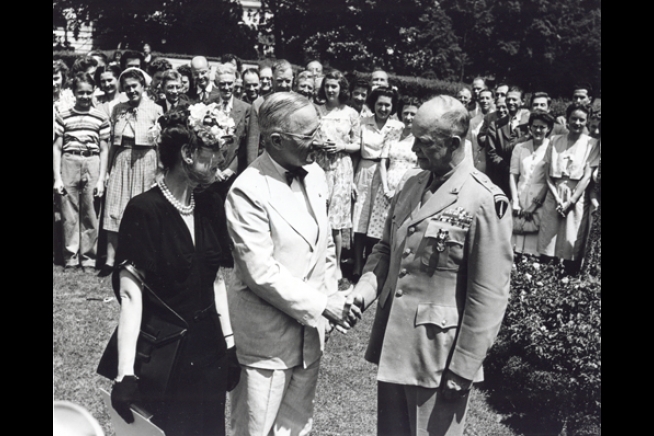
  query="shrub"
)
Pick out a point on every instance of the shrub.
point(416, 86)
point(547, 358)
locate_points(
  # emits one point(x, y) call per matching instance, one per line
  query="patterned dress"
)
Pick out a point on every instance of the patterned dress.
point(367, 178)
point(341, 126)
point(135, 161)
point(401, 159)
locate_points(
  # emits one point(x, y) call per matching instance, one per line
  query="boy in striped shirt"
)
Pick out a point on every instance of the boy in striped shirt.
point(80, 154)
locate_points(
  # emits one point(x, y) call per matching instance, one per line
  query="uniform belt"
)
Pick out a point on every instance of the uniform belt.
point(85, 153)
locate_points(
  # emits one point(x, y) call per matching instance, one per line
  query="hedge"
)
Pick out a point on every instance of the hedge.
point(547, 359)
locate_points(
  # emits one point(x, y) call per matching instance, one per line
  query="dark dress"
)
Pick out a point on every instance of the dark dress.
point(154, 237)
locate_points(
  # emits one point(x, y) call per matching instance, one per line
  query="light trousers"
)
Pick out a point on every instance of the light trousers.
point(80, 220)
point(274, 402)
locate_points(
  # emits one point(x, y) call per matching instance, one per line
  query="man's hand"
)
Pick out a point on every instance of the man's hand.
point(99, 189)
point(454, 387)
point(342, 312)
point(59, 187)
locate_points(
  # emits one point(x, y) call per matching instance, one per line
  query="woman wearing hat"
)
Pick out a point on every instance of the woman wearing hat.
point(132, 157)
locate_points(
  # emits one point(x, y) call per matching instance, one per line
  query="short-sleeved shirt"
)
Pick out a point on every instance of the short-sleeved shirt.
point(571, 162)
point(82, 131)
point(373, 138)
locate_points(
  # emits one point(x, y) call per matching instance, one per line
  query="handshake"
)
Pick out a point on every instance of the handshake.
point(344, 311)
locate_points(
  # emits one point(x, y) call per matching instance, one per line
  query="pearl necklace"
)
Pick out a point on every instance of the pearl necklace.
point(184, 210)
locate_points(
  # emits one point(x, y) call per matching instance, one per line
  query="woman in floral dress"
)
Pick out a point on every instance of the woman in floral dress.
point(399, 156)
point(376, 130)
point(340, 133)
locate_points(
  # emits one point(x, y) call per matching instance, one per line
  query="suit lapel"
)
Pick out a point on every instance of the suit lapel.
point(284, 202)
point(408, 204)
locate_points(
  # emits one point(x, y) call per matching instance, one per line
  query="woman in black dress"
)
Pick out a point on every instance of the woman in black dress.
point(176, 238)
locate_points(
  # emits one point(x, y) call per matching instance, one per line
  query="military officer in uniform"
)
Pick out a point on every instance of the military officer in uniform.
point(441, 277)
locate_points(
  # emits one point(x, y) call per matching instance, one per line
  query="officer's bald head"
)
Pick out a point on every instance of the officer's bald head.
point(443, 116)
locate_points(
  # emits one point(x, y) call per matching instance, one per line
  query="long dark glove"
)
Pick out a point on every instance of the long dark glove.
point(233, 369)
point(123, 395)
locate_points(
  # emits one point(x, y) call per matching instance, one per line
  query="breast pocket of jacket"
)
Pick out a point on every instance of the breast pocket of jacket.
point(442, 246)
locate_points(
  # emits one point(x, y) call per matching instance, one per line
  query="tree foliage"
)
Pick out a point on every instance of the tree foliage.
point(209, 27)
point(537, 44)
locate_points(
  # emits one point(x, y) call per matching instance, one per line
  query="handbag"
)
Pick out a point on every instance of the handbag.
point(158, 348)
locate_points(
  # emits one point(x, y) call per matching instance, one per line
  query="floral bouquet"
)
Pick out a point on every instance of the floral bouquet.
point(211, 124)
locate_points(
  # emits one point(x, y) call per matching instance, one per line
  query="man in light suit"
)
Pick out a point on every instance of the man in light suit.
point(286, 274)
point(441, 274)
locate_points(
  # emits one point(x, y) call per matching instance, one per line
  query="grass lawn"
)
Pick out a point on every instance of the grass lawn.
point(346, 400)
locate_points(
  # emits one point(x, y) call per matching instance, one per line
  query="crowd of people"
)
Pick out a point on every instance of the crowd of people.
point(122, 126)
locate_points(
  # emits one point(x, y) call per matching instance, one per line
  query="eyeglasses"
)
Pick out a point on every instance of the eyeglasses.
point(306, 138)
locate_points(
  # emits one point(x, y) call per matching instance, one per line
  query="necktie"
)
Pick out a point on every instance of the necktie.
point(434, 184)
point(205, 97)
point(299, 173)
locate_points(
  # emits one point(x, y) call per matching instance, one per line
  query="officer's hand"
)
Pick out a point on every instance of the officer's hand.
point(454, 387)
point(123, 395)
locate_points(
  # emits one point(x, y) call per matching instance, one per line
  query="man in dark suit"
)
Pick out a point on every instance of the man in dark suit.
point(502, 135)
point(283, 76)
point(236, 153)
point(204, 90)
point(171, 83)
point(540, 101)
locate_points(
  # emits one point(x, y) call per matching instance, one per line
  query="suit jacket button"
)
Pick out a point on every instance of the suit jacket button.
point(412, 229)
point(407, 251)
point(403, 272)
point(399, 293)
point(444, 323)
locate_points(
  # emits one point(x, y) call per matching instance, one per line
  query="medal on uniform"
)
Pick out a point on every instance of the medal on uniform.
point(443, 235)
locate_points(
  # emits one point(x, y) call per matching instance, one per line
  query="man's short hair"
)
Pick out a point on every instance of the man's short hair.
point(305, 74)
point(490, 91)
point(541, 95)
point(360, 83)
point(275, 113)
point(281, 65)
point(454, 120)
point(228, 58)
point(583, 85)
point(130, 54)
point(170, 75)
point(251, 71)
point(518, 90)
point(226, 68)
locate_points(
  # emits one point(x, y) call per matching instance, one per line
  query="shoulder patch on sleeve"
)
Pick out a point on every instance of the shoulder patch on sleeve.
point(501, 205)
